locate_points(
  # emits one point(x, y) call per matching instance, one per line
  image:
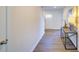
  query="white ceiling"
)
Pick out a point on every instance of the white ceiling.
point(53, 8)
point(50, 8)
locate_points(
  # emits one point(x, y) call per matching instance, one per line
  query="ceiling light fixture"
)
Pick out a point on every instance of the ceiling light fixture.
point(54, 6)
point(48, 16)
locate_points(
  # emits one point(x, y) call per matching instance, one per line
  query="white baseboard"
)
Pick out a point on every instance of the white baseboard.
point(34, 46)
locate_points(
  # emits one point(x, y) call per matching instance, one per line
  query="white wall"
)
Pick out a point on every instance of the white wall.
point(55, 21)
point(66, 15)
point(25, 28)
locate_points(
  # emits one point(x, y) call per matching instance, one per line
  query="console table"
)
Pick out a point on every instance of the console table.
point(67, 33)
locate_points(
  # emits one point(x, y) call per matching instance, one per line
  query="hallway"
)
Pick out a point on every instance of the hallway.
point(51, 42)
point(23, 36)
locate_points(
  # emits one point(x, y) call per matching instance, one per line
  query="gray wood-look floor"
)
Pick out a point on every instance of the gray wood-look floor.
point(51, 42)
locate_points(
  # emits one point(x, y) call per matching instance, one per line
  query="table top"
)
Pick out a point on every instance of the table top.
point(67, 30)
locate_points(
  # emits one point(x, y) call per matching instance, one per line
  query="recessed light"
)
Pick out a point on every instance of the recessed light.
point(48, 16)
point(54, 7)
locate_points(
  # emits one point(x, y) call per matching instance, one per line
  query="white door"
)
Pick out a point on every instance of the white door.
point(2, 26)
